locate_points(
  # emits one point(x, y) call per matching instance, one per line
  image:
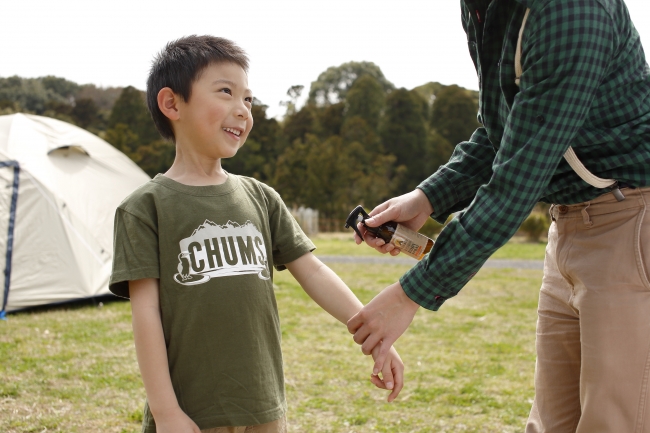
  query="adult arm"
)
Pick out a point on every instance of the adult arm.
point(151, 352)
point(567, 50)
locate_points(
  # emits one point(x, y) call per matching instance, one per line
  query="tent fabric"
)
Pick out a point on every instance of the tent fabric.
point(69, 183)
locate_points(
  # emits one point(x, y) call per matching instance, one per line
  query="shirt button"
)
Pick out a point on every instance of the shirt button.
point(540, 119)
point(563, 209)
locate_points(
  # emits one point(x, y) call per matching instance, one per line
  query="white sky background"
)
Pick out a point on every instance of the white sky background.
point(289, 42)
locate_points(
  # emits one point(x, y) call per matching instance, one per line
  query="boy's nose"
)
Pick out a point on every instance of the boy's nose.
point(241, 111)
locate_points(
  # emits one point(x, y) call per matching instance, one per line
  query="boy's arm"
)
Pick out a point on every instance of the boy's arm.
point(334, 296)
point(151, 352)
point(325, 287)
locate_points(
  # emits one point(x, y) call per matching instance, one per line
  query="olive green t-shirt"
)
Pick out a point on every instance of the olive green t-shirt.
point(213, 249)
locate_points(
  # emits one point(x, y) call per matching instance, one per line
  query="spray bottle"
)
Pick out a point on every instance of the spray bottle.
point(408, 241)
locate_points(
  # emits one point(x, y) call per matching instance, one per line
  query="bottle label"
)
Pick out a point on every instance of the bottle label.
point(409, 242)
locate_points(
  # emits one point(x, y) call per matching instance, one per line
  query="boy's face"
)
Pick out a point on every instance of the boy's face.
point(216, 120)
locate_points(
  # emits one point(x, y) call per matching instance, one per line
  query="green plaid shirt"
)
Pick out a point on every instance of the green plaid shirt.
point(585, 83)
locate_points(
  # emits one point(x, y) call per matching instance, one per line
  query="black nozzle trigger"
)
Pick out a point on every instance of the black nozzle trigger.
point(353, 219)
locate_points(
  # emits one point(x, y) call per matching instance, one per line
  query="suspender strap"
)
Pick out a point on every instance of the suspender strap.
point(518, 70)
point(569, 155)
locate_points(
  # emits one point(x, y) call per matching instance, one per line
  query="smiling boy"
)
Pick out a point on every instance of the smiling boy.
point(195, 249)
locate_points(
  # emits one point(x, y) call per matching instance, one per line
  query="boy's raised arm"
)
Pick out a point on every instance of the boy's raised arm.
point(334, 296)
point(152, 358)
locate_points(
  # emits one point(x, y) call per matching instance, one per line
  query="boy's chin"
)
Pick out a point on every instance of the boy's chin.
point(230, 155)
point(233, 152)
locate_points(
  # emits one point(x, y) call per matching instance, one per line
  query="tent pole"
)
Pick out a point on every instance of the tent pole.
point(10, 232)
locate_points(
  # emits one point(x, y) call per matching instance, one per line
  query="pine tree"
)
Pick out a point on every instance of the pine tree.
point(404, 135)
point(454, 114)
point(365, 99)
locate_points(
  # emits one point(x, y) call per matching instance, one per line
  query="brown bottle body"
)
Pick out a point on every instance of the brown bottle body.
point(408, 241)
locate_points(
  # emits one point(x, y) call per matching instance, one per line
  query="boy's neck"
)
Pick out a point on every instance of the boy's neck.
point(190, 168)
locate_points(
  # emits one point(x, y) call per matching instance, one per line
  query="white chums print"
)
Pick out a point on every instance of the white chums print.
point(214, 251)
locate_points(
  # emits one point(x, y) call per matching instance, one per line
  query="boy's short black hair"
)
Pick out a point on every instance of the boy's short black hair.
point(180, 63)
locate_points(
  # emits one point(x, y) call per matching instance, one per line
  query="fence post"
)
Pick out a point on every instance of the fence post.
point(307, 219)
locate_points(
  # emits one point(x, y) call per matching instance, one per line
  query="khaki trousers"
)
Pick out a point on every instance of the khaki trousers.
point(277, 426)
point(593, 329)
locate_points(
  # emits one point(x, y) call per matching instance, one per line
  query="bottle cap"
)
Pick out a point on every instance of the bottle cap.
point(357, 215)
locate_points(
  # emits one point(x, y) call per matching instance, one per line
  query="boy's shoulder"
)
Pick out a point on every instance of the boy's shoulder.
point(144, 200)
point(256, 187)
point(141, 197)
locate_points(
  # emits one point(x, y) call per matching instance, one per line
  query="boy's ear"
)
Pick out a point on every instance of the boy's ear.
point(168, 103)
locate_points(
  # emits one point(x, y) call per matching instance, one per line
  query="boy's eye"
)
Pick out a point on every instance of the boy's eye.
point(249, 99)
point(226, 90)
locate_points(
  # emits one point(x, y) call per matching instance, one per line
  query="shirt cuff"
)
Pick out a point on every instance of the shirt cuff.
point(441, 195)
point(417, 288)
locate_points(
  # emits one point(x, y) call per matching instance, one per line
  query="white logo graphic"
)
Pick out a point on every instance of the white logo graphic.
point(218, 251)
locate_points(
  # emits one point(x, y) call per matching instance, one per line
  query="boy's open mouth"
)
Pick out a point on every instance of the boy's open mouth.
point(237, 132)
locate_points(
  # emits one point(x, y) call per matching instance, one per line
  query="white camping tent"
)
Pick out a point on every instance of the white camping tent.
point(59, 187)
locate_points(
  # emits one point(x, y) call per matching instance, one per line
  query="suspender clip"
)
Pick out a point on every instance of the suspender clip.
point(616, 191)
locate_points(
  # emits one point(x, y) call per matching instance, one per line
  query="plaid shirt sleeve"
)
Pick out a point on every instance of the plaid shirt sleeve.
point(567, 50)
point(453, 187)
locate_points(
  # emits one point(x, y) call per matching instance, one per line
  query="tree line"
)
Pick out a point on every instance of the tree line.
point(356, 139)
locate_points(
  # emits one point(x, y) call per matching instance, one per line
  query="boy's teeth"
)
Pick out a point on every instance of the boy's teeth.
point(234, 131)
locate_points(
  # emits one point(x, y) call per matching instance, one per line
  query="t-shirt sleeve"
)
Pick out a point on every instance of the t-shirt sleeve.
point(288, 240)
point(135, 252)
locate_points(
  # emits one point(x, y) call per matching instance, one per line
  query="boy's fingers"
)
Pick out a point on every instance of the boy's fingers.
point(398, 375)
point(387, 375)
point(380, 359)
point(396, 390)
point(377, 381)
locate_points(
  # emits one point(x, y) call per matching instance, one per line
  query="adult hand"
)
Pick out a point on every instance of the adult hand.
point(411, 210)
point(383, 320)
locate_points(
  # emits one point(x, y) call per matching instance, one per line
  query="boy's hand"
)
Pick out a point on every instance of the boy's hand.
point(175, 422)
point(392, 374)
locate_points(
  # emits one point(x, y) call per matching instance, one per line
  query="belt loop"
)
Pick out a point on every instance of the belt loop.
point(585, 216)
point(551, 212)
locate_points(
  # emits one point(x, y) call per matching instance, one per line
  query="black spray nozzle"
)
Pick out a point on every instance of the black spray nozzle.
point(356, 216)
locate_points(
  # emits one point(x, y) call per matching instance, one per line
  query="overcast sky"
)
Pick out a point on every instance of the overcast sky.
point(111, 43)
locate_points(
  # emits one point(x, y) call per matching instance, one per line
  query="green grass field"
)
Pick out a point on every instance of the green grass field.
point(469, 367)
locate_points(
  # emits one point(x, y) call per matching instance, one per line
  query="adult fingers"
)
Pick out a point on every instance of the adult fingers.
point(363, 231)
point(379, 244)
point(378, 217)
point(369, 343)
point(373, 241)
point(355, 322)
point(380, 208)
point(361, 336)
